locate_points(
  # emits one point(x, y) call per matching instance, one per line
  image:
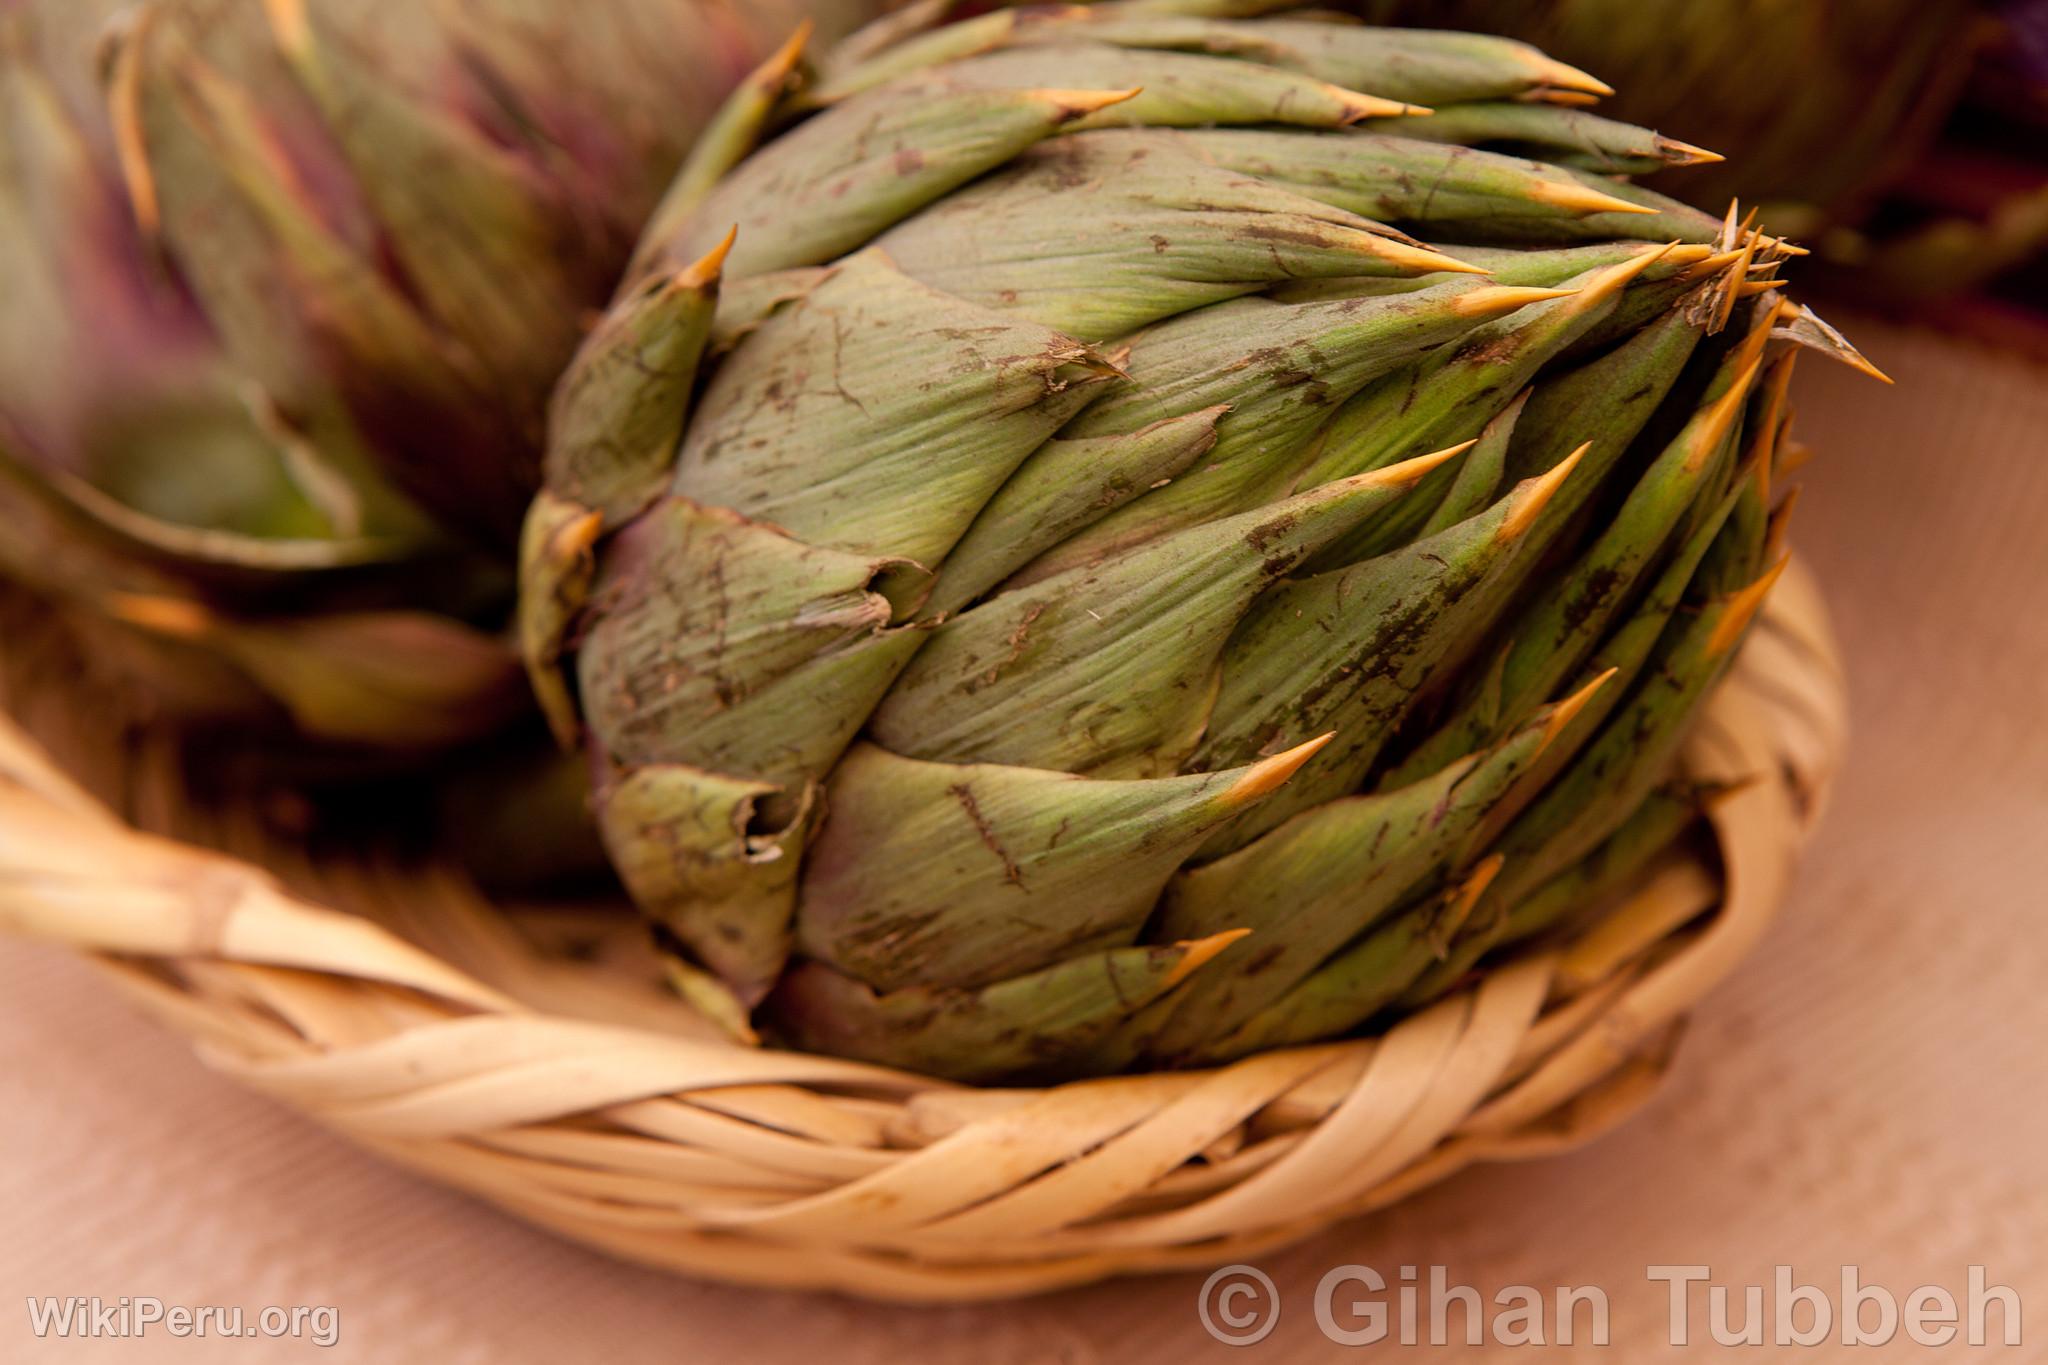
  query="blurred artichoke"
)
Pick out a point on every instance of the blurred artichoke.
point(1816, 103)
point(288, 284)
point(1903, 138)
point(1078, 580)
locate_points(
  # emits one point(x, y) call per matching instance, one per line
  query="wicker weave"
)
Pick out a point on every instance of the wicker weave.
point(393, 1004)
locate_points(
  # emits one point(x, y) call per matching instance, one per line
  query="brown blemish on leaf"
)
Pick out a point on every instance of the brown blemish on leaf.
point(962, 793)
point(1017, 640)
point(1264, 534)
point(1497, 351)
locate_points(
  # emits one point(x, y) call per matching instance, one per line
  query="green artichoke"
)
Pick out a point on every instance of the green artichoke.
point(1115, 538)
point(285, 301)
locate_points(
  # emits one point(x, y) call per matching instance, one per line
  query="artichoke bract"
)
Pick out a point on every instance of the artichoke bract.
point(287, 287)
point(1082, 545)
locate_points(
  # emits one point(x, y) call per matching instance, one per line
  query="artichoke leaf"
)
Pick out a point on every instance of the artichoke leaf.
point(1426, 187)
point(1331, 874)
point(1563, 137)
point(618, 412)
point(703, 858)
point(1281, 369)
point(965, 874)
point(1172, 89)
point(1029, 1027)
point(1365, 978)
point(1110, 669)
point(830, 186)
point(1162, 232)
point(1610, 780)
point(1067, 485)
point(1349, 649)
point(810, 425)
point(727, 645)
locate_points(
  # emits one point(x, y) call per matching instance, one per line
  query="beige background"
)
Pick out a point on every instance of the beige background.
point(1873, 1090)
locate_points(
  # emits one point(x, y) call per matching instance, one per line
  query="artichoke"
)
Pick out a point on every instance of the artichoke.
point(285, 302)
point(1112, 537)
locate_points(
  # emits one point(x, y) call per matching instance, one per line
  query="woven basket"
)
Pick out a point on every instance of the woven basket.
point(538, 1064)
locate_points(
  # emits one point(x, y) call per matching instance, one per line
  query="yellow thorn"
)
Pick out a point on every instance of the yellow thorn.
point(1615, 278)
point(1678, 153)
point(1494, 299)
point(1717, 421)
point(1712, 264)
point(1727, 309)
point(1578, 198)
point(712, 998)
point(1535, 494)
point(1567, 711)
point(1556, 74)
point(573, 540)
point(1199, 953)
point(1079, 104)
point(706, 271)
point(1843, 352)
point(1689, 253)
point(1269, 775)
point(1421, 260)
point(174, 616)
point(1751, 348)
point(1409, 472)
point(1770, 422)
point(1755, 340)
point(1466, 897)
point(1358, 108)
point(1777, 388)
point(772, 73)
point(1758, 459)
point(1742, 609)
point(1728, 225)
point(1567, 99)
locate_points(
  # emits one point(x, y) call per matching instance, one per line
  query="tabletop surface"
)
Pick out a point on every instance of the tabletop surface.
point(1870, 1091)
